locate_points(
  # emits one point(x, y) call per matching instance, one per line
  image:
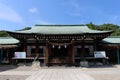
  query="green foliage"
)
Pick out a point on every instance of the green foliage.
point(92, 26)
point(3, 34)
point(116, 33)
point(106, 27)
point(26, 28)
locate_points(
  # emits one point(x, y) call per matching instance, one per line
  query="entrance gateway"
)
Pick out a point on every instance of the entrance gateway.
point(59, 44)
point(59, 55)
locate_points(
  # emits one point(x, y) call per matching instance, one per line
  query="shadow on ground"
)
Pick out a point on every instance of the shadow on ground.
point(4, 67)
point(103, 66)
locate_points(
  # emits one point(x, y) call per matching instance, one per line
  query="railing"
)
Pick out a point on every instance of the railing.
point(34, 55)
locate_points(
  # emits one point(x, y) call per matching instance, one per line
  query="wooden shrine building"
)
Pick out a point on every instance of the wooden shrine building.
point(7, 48)
point(59, 44)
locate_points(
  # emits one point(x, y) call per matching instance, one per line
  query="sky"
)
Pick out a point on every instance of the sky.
point(18, 14)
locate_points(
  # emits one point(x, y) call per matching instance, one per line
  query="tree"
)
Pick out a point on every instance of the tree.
point(3, 34)
point(108, 27)
point(116, 33)
point(91, 25)
point(26, 28)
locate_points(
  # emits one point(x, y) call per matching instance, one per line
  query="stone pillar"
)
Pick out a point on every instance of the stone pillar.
point(84, 64)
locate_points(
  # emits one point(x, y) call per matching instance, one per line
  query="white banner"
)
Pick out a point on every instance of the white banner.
point(20, 54)
point(99, 54)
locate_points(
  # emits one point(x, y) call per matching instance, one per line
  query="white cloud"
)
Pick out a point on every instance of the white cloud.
point(33, 10)
point(113, 18)
point(43, 22)
point(7, 13)
point(73, 8)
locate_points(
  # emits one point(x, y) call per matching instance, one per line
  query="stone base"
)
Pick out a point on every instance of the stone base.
point(84, 64)
point(36, 64)
point(21, 64)
point(99, 64)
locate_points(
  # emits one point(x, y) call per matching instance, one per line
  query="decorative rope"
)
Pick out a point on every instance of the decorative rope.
point(60, 44)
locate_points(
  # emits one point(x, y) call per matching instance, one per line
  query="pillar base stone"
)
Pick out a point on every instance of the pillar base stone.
point(84, 64)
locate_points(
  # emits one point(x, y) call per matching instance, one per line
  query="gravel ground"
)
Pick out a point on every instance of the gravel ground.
point(12, 77)
point(12, 72)
point(104, 72)
point(106, 76)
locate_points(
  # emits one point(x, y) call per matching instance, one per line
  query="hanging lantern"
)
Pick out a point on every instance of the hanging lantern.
point(65, 46)
point(53, 46)
point(59, 47)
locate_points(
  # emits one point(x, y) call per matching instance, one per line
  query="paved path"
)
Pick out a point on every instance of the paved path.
point(60, 74)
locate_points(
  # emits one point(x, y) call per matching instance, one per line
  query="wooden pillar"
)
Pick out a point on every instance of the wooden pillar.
point(1, 55)
point(118, 55)
point(44, 52)
point(83, 49)
point(73, 54)
point(7, 57)
point(69, 51)
point(37, 47)
point(50, 51)
point(24, 45)
point(95, 43)
point(47, 54)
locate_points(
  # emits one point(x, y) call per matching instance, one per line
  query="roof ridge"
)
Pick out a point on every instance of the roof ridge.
point(6, 37)
point(59, 25)
point(113, 37)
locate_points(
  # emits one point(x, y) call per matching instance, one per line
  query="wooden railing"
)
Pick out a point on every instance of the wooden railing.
point(34, 55)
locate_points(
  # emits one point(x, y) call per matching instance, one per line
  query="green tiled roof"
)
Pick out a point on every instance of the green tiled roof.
point(60, 29)
point(8, 41)
point(113, 40)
